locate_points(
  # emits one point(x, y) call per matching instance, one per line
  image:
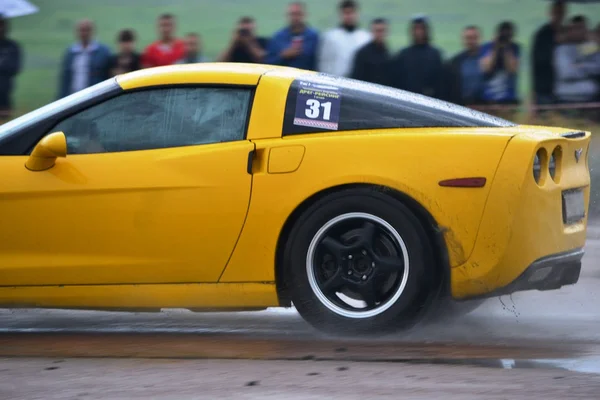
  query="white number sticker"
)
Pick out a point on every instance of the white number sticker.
point(314, 109)
point(326, 110)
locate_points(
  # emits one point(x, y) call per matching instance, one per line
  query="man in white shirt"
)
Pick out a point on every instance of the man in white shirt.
point(85, 63)
point(339, 45)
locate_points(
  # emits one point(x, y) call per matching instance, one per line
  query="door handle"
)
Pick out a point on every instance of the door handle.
point(250, 160)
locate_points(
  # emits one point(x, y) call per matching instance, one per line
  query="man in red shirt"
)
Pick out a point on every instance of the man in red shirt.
point(168, 49)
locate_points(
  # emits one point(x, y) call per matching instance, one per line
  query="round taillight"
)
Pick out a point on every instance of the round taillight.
point(540, 166)
point(554, 164)
point(537, 165)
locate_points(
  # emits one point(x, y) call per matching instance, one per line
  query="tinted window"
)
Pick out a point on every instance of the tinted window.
point(318, 103)
point(159, 118)
point(22, 133)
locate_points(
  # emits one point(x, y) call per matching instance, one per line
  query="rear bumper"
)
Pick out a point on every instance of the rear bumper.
point(547, 273)
point(522, 228)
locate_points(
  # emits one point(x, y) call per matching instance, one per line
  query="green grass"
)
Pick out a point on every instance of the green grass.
point(45, 35)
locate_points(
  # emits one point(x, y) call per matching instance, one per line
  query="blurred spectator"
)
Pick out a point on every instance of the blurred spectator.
point(193, 50)
point(576, 72)
point(596, 37)
point(418, 68)
point(544, 43)
point(296, 45)
point(85, 63)
point(500, 65)
point(372, 60)
point(10, 65)
point(465, 79)
point(168, 49)
point(338, 46)
point(245, 46)
point(127, 59)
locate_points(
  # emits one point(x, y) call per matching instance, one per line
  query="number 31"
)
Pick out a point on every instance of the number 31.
point(314, 109)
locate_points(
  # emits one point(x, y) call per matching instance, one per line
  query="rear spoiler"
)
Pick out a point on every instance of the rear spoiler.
point(573, 135)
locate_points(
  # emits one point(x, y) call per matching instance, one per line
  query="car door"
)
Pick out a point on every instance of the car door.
point(154, 189)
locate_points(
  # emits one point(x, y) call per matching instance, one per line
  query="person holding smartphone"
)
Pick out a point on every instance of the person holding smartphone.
point(295, 45)
point(245, 46)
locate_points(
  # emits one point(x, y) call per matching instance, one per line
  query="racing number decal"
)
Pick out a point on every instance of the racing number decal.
point(317, 106)
point(314, 109)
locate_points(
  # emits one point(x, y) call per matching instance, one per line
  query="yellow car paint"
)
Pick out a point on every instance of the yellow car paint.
point(223, 73)
point(160, 228)
point(285, 159)
point(380, 158)
point(156, 216)
point(141, 297)
point(522, 221)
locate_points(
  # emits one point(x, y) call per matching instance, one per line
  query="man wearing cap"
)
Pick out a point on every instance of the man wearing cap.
point(10, 64)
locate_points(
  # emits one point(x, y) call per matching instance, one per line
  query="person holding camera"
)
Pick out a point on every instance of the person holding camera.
point(500, 65)
point(244, 46)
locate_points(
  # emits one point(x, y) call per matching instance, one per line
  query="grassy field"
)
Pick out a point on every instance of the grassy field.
point(46, 34)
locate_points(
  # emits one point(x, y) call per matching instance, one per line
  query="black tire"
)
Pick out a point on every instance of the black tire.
point(401, 312)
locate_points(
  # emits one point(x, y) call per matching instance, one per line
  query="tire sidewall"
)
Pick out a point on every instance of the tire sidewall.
point(404, 312)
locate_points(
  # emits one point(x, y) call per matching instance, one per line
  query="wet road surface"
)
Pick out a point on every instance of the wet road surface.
point(543, 335)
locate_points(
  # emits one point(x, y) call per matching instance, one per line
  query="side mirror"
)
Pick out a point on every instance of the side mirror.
point(44, 153)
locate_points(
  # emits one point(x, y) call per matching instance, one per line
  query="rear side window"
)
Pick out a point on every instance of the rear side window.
point(159, 118)
point(320, 103)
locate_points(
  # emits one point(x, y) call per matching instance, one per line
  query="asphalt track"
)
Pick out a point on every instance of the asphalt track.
point(550, 342)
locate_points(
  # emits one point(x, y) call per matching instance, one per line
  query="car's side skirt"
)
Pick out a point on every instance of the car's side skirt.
point(196, 296)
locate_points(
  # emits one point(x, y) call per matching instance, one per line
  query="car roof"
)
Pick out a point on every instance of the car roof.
point(215, 73)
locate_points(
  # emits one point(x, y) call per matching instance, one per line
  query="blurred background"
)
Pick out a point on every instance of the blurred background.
point(532, 61)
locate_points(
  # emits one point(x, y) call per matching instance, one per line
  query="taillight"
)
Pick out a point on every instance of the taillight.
point(540, 159)
point(554, 164)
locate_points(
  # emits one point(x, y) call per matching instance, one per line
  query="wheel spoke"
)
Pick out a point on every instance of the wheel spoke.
point(335, 282)
point(388, 265)
point(367, 235)
point(368, 292)
point(334, 246)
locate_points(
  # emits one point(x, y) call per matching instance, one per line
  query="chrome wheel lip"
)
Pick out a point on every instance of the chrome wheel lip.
point(310, 270)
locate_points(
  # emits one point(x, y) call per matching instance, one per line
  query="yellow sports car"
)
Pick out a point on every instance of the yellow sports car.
point(241, 187)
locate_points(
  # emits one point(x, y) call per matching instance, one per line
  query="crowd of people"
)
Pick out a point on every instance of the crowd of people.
point(565, 57)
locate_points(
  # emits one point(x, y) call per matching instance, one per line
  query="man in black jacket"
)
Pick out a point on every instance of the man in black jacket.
point(10, 64)
point(464, 78)
point(544, 43)
point(371, 62)
point(418, 68)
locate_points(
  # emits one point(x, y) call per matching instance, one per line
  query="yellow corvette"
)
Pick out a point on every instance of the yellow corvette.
point(241, 187)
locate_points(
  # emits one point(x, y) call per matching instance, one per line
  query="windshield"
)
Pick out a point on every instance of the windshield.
point(55, 107)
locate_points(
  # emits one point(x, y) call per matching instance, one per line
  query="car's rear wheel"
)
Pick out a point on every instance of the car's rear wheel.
point(358, 261)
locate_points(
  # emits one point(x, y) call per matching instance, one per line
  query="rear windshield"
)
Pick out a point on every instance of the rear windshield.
point(320, 102)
